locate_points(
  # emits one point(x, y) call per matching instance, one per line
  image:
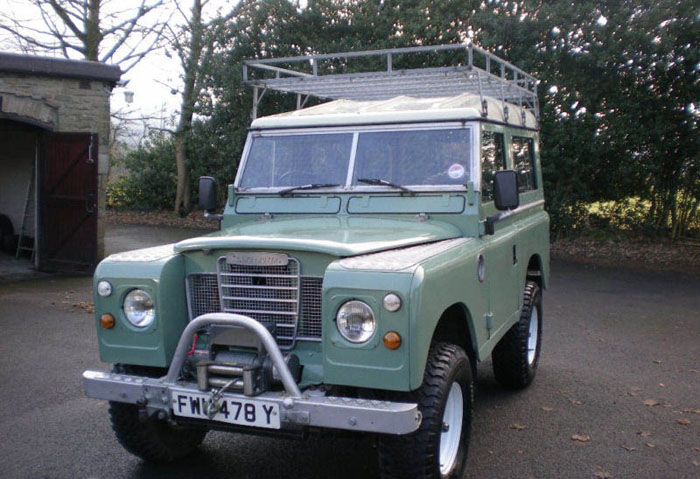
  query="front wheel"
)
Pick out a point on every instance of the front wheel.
point(150, 439)
point(438, 449)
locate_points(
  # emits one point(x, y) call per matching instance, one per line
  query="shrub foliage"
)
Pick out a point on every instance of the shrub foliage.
point(618, 92)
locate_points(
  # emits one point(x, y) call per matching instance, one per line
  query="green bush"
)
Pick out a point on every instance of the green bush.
point(151, 181)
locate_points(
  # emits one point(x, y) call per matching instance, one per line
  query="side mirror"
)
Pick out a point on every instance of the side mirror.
point(207, 194)
point(505, 190)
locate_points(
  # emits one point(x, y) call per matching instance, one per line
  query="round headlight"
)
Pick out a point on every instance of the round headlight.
point(139, 309)
point(355, 321)
point(104, 288)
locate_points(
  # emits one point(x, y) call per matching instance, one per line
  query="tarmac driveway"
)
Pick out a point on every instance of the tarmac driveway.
point(617, 393)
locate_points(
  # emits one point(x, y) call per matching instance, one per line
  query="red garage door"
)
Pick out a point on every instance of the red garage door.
point(68, 203)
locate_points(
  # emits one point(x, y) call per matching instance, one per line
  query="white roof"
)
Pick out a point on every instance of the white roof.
point(466, 106)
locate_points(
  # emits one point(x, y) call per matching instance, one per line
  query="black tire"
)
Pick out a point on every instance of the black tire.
point(151, 439)
point(512, 364)
point(417, 455)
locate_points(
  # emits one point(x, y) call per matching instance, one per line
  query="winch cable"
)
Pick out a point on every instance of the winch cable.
point(212, 406)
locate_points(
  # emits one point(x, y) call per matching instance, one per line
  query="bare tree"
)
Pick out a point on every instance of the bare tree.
point(108, 31)
point(195, 44)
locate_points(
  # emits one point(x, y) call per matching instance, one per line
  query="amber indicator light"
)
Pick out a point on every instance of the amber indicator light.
point(392, 340)
point(107, 321)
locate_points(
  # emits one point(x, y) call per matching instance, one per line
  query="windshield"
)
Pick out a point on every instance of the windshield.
point(293, 160)
point(417, 157)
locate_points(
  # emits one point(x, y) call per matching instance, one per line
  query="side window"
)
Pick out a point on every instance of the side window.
point(524, 163)
point(492, 160)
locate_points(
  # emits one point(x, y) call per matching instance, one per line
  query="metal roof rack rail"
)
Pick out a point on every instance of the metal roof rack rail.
point(321, 75)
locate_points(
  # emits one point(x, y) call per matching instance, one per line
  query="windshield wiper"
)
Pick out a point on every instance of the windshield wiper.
point(311, 186)
point(382, 182)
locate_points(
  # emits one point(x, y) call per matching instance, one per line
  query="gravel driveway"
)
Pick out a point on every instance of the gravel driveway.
point(617, 393)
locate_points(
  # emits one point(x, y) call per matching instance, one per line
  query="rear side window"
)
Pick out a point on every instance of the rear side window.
point(492, 160)
point(524, 163)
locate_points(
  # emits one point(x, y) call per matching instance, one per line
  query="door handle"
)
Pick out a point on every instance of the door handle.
point(90, 202)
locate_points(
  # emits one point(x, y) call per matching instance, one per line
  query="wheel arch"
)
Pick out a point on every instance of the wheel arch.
point(535, 271)
point(456, 326)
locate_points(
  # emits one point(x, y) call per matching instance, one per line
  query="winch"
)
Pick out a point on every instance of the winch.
point(219, 363)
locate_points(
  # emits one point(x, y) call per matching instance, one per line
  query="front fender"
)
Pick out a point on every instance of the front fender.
point(439, 283)
point(160, 272)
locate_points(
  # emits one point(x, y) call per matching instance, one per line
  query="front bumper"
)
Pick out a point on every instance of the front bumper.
point(297, 408)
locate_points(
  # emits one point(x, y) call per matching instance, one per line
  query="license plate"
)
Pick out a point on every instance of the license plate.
point(246, 412)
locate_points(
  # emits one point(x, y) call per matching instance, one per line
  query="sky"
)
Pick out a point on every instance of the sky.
point(155, 81)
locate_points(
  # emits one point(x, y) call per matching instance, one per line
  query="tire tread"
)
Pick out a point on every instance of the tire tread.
point(151, 439)
point(510, 354)
point(415, 455)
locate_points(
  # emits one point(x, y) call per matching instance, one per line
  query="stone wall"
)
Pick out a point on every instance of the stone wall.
point(80, 106)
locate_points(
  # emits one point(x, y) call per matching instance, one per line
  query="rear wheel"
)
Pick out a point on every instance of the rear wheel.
point(516, 355)
point(151, 439)
point(438, 449)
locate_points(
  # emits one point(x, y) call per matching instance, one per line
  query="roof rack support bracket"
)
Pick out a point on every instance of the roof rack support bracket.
point(257, 97)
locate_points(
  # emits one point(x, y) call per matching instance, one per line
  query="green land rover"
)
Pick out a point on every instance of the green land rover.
point(372, 250)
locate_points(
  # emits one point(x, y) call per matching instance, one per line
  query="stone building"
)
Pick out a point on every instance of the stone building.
point(54, 159)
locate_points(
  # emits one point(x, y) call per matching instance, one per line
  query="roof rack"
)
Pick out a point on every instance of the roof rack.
point(480, 73)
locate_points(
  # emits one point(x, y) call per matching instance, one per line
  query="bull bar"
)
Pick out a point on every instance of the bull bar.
point(297, 408)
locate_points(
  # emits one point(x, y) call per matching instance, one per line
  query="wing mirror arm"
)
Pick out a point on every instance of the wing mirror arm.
point(505, 197)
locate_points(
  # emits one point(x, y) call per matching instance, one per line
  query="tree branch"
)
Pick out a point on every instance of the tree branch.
point(59, 10)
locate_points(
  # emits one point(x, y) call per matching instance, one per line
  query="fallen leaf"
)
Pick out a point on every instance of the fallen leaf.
point(662, 385)
point(575, 401)
point(650, 445)
point(644, 433)
point(630, 449)
point(603, 475)
point(518, 427)
point(694, 371)
point(696, 462)
point(691, 411)
point(651, 402)
point(87, 307)
point(581, 437)
point(683, 421)
point(547, 409)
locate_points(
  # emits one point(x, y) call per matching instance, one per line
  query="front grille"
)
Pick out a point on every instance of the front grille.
point(203, 294)
point(275, 295)
point(269, 294)
point(310, 324)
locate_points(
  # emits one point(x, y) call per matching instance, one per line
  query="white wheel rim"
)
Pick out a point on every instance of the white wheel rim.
point(532, 336)
point(451, 429)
